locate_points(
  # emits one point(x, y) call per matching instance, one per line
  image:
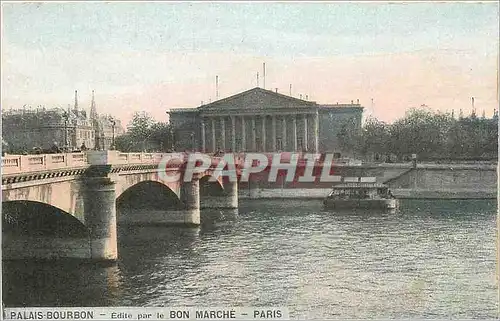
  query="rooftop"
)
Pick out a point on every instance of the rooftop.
point(358, 185)
point(260, 98)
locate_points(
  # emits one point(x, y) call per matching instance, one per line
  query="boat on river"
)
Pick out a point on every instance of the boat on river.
point(355, 195)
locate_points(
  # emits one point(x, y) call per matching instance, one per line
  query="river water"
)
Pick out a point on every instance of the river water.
point(432, 259)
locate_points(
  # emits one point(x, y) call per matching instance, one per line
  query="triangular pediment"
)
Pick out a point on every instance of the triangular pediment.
point(257, 98)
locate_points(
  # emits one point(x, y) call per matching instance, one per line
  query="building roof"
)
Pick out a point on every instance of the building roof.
point(262, 99)
point(358, 185)
point(258, 98)
point(183, 110)
point(255, 98)
point(341, 108)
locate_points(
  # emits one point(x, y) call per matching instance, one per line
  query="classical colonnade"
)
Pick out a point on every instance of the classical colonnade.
point(260, 132)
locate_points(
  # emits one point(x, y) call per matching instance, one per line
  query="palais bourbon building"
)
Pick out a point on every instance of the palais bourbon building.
point(260, 120)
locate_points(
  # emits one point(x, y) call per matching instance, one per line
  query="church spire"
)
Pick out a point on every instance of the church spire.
point(473, 112)
point(93, 109)
point(76, 100)
point(95, 123)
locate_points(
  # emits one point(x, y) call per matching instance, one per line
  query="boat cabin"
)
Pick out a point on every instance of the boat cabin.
point(360, 191)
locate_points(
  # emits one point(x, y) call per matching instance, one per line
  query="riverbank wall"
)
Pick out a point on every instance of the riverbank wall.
point(425, 181)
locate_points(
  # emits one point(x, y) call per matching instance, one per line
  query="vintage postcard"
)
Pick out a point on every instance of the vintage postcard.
point(249, 160)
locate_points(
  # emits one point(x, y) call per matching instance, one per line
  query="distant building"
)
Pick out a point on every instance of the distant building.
point(25, 129)
point(263, 121)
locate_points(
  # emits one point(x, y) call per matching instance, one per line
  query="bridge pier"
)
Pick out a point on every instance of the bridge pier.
point(190, 196)
point(253, 189)
point(100, 217)
point(228, 198)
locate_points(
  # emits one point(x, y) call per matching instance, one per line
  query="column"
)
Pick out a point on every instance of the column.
point(316, 133)
point(214, 146)
point(264, 133)
point(305, 133)
point(253, 189)
point(274, 133)
point(244, 134)
point(190, 196)
point(254, 135)
point(283, 127)
point(230, 194)
point(233, 134)
point(203, 142)
point(100, 218)
point(223, 132)
point(294, 122)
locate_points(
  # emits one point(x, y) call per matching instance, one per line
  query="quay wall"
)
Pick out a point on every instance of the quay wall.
point(426, 181)
point(451, 182)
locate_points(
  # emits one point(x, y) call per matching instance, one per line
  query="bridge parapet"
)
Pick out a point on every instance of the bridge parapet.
point(139, 158)
point(13, 165)
point(17, 164)
point(111, 157)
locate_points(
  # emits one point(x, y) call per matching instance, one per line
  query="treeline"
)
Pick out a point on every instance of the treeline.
point(430, 135)
point(144, 134)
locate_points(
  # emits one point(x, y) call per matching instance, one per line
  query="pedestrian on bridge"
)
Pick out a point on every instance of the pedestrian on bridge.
point(55, 148)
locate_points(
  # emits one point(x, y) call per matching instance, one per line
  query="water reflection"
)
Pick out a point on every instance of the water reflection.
point(59, 283)
point(218, 221)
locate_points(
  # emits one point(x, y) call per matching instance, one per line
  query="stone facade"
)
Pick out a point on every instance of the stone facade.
point(260, 120)
point(25, 129)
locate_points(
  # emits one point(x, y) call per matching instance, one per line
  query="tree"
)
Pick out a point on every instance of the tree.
point(125, 143)
point(428, 134)
point(473, 138)
point(420, 132)
point(140, 126)
point(375, 137)
point(144, 134)
point(349, 136)
point(162, 136)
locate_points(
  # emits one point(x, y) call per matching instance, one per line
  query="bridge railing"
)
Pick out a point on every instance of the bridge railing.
point(16, 164)
point(120, 158)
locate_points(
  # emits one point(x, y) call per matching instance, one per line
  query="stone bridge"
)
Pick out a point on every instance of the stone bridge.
point(69, 205)
point(77, 194)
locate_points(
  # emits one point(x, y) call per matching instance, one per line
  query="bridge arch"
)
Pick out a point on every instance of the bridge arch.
point(147, 198)
point(33, 214)
point(209, 187)
point(66, 195)
point(220, 193)
point(33, 229)
point(127, 182)
point(150, 193)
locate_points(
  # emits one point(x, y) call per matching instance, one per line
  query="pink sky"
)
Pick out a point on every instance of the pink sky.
point(396, 83)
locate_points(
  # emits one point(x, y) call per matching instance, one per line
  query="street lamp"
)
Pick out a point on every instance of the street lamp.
point(192, 142)
point(113, 124)
point(66, 117)
point(172, 139)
